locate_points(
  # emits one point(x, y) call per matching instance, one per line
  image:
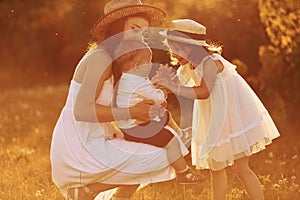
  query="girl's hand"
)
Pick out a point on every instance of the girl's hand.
point(164, 77)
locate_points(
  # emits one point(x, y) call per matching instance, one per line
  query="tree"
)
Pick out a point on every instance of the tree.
point(280, 59)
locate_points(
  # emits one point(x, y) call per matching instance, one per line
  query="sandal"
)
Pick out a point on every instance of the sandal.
point(81, 193)
point(189, 177)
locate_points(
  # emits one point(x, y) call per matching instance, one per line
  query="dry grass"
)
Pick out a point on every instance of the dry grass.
point(27, 118)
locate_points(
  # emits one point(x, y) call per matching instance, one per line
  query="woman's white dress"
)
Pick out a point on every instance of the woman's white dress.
point(80, 154)
point(232, 123)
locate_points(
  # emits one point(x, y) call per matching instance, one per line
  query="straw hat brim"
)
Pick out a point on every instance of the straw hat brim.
point(155, 16)
point(183, 40)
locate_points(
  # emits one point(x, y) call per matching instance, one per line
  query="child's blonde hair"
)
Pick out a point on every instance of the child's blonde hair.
point(126, 54)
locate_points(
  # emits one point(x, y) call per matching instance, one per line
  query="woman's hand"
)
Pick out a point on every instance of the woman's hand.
point(145, 110)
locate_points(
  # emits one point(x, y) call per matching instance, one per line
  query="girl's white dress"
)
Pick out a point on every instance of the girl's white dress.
point(80, 154)
point(232, 123)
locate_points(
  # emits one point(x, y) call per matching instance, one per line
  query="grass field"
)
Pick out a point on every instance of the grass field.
point(27, 118)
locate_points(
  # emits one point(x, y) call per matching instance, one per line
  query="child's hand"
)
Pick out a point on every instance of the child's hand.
point(112, 131)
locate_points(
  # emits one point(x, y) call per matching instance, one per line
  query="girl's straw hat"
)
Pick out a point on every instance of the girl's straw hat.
point(117, 9)
point(186, 31)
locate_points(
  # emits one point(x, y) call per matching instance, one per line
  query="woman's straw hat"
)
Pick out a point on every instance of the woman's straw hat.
point(186, 31)
point(117, 9)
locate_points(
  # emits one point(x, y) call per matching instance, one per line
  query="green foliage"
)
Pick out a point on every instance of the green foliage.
point(280, 60)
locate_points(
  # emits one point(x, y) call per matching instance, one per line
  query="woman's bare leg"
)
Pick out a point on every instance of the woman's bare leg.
point(219, 184)
point(123, 191)
point(248, 178)
point(100, 187)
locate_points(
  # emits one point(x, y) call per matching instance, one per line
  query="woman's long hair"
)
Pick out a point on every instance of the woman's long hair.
point(114, 29)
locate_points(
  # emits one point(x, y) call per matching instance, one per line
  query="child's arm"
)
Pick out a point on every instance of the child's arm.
point(147, 91)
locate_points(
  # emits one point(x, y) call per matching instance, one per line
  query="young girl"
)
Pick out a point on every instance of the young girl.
point(230, 123)
point(131, 69)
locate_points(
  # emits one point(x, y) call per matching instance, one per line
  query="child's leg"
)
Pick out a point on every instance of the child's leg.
point(219, 184)
point(185, 175)
point(248, 178)
point(174, 155)
point(173, 124)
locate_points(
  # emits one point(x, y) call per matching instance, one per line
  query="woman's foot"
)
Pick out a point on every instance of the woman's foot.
point(81, 193)
point(189, 177)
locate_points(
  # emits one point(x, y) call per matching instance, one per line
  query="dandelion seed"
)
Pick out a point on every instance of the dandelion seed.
point(38, 194)
point(26, 151)
point(268, 161)
point(276, 187)
point(282, 163)
point(295, 157)
point(271, 155)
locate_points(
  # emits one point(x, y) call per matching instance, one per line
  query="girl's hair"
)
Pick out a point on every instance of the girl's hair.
point(126, 54)
point(198, 52)
point(114, 28)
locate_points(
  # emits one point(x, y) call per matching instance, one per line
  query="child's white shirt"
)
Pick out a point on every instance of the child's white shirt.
point(133, 89)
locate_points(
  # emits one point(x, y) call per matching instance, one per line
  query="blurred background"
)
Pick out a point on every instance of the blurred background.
point(41, 41)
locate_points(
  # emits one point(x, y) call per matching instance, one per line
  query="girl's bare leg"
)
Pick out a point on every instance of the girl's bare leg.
point(248, 178)
point(219, 184)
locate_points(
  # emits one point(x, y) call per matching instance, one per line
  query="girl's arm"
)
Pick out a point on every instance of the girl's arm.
point(197, 92)
point(98, 69)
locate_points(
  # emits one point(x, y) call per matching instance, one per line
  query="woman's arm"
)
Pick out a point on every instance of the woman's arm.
point(98, 69)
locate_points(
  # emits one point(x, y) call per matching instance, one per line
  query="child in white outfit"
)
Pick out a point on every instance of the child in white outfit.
point(131, 68)
point(229, 121)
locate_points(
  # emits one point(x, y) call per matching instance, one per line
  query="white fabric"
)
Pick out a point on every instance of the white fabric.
point(188, 78)
point(231, 123)
point(80, 154)
point(133, 89)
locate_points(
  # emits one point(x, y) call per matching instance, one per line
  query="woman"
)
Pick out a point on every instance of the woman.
point(83, 162)
point(229, 121)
